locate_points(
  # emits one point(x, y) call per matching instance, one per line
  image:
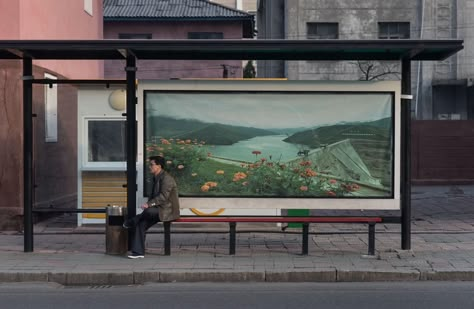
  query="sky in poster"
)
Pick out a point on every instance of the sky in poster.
point(271, 110)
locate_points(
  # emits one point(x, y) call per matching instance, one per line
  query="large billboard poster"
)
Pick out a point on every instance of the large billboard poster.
point(274, 144)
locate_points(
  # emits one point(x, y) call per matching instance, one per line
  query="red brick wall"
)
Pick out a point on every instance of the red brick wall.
point(443, 151)
point(11, 149)
point(55, 164)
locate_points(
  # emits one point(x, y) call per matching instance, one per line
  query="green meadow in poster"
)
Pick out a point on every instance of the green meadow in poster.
point(273, 144)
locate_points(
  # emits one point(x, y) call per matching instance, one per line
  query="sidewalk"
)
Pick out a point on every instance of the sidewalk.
point(442, 249)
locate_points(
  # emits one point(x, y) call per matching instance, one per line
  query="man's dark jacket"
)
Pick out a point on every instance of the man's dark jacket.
point(165, 197)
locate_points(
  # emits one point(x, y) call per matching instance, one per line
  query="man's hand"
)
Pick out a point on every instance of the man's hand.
point(145, 206)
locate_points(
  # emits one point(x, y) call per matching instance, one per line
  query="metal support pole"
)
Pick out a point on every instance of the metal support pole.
point(167, 228)
point(131, 137)
point(232, 230)
point(405, 156)
point(28, 154)
point(305, 238)
point(371, 238)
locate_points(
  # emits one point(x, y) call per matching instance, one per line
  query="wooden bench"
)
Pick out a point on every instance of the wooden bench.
point(305, 221)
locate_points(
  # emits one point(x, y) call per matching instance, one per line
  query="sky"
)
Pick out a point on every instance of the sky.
point(270, 110)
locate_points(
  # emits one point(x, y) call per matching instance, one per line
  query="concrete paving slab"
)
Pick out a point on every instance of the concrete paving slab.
point(442, 249)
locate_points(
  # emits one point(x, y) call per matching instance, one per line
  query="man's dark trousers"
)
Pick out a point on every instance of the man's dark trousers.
point(139, 225)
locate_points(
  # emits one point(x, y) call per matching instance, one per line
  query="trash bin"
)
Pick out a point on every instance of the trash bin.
point(116, 237)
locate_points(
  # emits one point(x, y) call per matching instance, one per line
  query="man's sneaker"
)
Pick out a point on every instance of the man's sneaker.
point(136, 256)
point(127, 224)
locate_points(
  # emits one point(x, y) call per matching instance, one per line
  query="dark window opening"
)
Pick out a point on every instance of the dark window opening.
point(106, 141)
point(205, 35)
point(394, 30)
point(135, 36)
point(322, 31)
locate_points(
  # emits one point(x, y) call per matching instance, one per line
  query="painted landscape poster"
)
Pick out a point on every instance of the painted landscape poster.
point(273, 144)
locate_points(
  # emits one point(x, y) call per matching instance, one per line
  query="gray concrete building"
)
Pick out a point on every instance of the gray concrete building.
point(442, 90)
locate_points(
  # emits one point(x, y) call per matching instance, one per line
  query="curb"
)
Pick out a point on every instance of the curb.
point(324, 275)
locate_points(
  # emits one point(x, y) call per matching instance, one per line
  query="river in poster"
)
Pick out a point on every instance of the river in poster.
point(273, 144)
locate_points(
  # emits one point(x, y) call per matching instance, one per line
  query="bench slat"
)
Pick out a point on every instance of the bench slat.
point(283, 219)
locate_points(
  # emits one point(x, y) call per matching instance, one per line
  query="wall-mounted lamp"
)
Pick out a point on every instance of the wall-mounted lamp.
point(118, 99)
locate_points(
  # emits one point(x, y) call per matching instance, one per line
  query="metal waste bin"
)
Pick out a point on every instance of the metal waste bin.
point(116, 237)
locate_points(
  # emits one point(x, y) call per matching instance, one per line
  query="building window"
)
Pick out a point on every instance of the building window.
point(88, 7)
point(394, 30)
point(105, 140)
point(51, 110)
point(322, 31)
point(205, 35)
point(135, 36)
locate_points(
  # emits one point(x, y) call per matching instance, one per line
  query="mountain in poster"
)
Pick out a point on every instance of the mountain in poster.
point(378, 130)
point(211, 133)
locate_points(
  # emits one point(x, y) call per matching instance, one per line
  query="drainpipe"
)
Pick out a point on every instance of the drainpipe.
point(418, 80)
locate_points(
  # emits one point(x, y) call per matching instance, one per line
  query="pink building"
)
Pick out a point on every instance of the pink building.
point(55, 124)
point(190, 19)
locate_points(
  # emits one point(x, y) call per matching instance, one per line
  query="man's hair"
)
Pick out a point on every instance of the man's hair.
point(159, 160)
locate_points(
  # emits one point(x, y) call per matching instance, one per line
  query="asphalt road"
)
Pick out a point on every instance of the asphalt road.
point(419, 295)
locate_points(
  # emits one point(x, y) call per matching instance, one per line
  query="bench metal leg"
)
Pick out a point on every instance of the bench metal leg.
point(232, 228)
point(371, 239)
point(167, 228)
point(305, 238)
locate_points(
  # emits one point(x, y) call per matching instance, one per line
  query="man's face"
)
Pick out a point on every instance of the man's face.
point(155, 169)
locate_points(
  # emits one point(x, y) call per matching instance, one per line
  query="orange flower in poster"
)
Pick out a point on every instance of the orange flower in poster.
point(304, 188)
point(165, 141)
point(211, 184)
point(309, 173)
point(220, 172)
point(239, 176)
point(204, 188)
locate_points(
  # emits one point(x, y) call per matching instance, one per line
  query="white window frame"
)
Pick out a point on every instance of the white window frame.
point(103, 165)
point(50, 110)
point(88, 7)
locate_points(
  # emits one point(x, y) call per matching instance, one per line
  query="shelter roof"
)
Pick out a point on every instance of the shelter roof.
point(231, 49)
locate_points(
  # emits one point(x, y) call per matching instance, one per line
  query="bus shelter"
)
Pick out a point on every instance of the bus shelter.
point(132, 51)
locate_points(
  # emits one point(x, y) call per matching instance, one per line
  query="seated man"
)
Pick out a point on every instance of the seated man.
point(163, 205)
